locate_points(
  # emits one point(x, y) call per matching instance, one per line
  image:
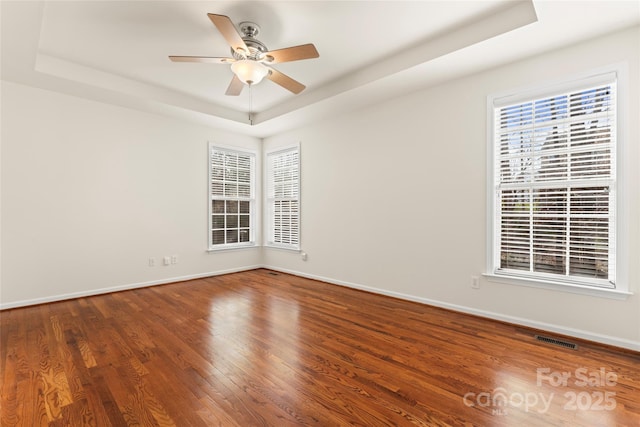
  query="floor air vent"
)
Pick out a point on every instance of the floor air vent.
point(555, 341)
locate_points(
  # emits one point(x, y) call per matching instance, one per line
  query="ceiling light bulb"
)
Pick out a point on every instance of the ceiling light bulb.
point(248, 71)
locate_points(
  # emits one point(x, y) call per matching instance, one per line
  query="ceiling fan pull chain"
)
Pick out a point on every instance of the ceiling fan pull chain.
point(250, 105)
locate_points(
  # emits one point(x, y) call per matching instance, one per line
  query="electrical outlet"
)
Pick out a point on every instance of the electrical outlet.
point(303, 255)
point(166, 260)
point(152, 262)
point(174, 259)
point(475, 282)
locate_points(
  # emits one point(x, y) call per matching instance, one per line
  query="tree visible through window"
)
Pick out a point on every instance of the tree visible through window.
point(555, 186)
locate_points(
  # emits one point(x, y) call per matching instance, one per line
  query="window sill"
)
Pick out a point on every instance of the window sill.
point(557, 286)
point(283, 247)
point(232, 248)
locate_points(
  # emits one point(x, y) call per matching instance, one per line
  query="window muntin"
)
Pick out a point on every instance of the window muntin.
point(231, 198)
point(283, 198)
point(554, 181)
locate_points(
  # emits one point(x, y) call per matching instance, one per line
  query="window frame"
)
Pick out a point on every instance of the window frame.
point(251, 199)
point(269, 200)
point(532, 93)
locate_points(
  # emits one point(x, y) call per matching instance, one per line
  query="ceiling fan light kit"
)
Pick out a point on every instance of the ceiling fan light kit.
point(251, 60)
point(250, 72)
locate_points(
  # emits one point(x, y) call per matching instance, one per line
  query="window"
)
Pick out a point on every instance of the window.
point(231, 201)
point(283, 198)
point(554, 185)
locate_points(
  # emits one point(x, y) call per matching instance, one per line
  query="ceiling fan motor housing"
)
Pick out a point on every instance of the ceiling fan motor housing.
point(255, 46)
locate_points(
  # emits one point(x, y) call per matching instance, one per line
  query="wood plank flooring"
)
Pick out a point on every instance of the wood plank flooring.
point(261, 348)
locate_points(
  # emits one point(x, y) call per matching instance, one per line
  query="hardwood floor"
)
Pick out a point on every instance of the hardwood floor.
point(261, 348)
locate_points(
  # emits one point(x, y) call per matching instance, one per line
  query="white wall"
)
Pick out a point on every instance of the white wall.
point(91, 191)
point(394, 199)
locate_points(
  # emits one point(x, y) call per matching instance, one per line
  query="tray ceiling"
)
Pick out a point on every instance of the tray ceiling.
point(116, 51)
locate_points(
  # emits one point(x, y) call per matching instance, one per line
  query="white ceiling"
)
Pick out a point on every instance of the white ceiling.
point(116, 51)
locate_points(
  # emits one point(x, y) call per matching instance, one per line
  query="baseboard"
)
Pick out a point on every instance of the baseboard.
point(62, 297)
point(577, 333)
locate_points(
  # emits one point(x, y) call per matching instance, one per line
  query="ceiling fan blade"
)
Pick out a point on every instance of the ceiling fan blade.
point(285, 81)
point(235, 87)
point(295, 53)
point(203, 59)
point(229, 32)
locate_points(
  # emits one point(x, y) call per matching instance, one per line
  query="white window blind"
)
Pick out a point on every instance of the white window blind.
point(231, 193)
point(555, 174)
point(283, 198)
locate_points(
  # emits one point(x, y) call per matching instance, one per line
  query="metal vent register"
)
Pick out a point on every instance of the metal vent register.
point(555, 341)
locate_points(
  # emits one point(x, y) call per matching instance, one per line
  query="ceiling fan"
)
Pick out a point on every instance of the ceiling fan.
point(251, 60)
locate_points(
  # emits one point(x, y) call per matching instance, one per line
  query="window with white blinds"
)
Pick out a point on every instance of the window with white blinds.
point(231, 201)
point(555, 186)
point(283, 198)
